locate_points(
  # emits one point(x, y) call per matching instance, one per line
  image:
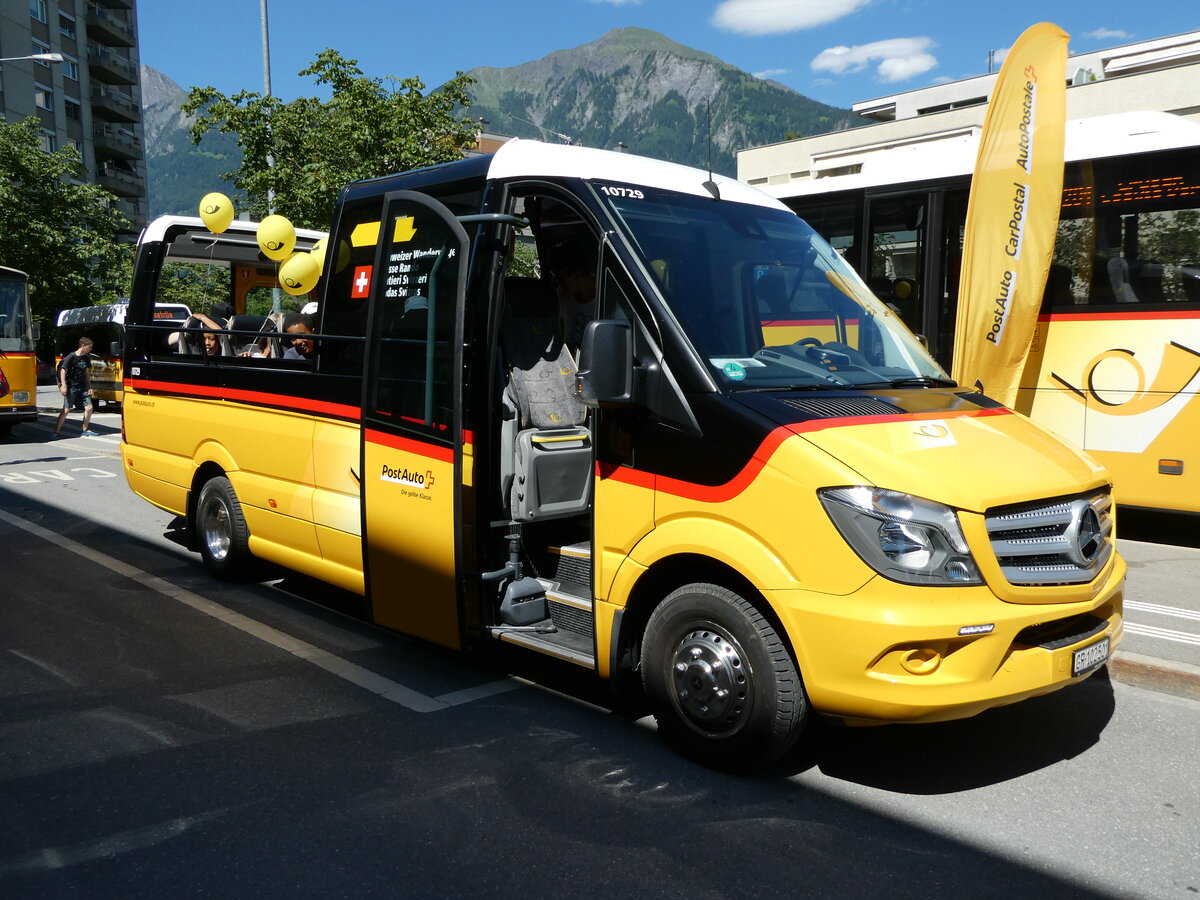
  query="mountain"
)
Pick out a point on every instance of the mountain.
point(178, 172)
point(656, 96)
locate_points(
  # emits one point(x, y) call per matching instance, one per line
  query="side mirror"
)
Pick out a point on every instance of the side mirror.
point(605, 376)
point(37, 331)
point(114, 349)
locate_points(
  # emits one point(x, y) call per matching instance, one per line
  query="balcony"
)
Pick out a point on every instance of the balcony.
point(116, 4)
point(106, 28)
point(122, 182)
point(113, 105)
point(109, 65)
point(113, 141)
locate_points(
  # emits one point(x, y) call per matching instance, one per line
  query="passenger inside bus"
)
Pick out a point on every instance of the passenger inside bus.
point(297, 325)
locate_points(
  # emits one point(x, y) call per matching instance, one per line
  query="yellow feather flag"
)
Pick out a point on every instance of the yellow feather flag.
point(1012, 214)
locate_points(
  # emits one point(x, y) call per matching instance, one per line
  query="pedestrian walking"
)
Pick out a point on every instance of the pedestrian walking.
point(75, 384)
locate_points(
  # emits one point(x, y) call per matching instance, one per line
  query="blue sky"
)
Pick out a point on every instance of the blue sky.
point(835, 51)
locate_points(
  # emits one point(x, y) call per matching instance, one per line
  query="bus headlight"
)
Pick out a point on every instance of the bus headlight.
point(904, 538)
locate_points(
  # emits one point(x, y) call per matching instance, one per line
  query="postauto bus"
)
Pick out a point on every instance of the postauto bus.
point(105, 325)
point(18, 364)
point(749, 531)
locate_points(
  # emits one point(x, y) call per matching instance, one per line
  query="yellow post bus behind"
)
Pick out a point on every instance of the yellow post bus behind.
point(105, 325)
point(542, 409)
point(18, 362)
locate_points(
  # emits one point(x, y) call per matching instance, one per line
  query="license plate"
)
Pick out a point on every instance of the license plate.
point(1090, 657)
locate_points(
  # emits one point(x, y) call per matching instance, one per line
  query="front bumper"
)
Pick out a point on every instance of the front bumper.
point(891, 652)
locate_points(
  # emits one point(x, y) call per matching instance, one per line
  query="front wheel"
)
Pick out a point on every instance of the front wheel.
point(221, 530)
point(719, 679)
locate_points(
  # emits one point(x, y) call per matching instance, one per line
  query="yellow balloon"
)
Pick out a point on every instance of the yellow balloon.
point(216, 212)
point(299, 273)
point(343, 257)
point(318, 253)
point(276, 237)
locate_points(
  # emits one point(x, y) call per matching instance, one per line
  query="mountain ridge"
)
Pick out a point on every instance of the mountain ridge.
point(631, 86)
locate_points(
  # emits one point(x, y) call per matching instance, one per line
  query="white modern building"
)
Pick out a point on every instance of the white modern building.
point(1157, 75)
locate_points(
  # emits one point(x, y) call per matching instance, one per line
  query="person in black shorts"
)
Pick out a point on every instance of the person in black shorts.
point(75, 384)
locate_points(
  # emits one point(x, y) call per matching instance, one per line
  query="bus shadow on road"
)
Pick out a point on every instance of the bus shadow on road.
point(997, 745)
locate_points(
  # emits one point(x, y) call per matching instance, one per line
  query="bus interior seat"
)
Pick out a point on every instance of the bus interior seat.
point(547, 439)
point(771, 291)
point(244, 343)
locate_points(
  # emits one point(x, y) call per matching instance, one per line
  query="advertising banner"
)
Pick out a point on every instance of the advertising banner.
point(1012, 214)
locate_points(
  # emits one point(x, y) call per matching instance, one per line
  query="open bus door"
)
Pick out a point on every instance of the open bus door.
point(413, 459)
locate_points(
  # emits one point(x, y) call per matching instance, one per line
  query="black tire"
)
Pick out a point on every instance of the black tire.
point(221, 530)
point(719, 680)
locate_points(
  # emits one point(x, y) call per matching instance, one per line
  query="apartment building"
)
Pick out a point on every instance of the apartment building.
point(92, 99)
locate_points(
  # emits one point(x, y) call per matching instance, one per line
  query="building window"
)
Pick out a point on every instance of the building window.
point(43, 97)
point(37, 47)
point(49, 142)
point(73, 109)
point(37, 9)
point(70, 68)
point(66, 25)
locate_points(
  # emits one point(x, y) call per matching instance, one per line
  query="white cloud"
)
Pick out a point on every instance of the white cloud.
point(1105, 34)
point(896, 59)
point(757, 17)
point(771, 73)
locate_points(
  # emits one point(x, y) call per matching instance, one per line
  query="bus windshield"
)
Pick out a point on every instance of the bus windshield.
point(14, 321)
point(764, 299)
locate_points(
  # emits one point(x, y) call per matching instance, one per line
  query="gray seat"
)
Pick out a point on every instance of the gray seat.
point(545, 438)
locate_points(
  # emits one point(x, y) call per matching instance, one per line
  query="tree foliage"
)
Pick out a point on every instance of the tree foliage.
point(59, 229)
point(368, 127)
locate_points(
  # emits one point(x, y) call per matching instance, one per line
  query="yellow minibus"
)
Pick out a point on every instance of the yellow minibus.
point(540, 407)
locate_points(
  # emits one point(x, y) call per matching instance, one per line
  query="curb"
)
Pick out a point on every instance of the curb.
point(1169, 677)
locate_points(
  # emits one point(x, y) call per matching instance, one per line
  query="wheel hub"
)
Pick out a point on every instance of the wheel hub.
point(216, 529)
point(710, 681)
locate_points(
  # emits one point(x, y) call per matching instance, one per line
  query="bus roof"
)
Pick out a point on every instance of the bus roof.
point(116, 312)
point(236, 233)
point(952, 153)
point(8, 271)
point(520, 158)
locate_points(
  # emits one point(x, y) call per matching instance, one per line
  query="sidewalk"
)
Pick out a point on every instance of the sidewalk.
point(1161, 646)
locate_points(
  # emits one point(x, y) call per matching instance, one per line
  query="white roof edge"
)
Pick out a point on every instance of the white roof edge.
point(520, 158)
point(155, 230)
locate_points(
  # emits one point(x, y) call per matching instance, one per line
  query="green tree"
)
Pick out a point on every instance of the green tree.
point(368, 127)
point(57, 228)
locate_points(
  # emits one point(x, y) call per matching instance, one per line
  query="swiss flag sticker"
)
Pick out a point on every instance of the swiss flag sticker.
point(360, 288)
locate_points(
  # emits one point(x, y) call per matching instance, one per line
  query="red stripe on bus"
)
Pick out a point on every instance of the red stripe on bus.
point(1120, 316)
point(719, 493)
point(281, 401)
point(409, 445)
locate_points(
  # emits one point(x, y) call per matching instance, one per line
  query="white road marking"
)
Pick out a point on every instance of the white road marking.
point(323, 659)
point(1166, 634)
point(1161, 610)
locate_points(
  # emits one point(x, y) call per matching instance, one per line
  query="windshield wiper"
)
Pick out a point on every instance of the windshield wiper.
point(921, 381)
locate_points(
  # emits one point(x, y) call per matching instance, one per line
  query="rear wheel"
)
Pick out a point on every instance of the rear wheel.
point(719, 679)
point(221, 530)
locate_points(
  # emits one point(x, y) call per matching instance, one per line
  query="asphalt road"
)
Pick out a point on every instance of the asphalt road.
point(162, 734)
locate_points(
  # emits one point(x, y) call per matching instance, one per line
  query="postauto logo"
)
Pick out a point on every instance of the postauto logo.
point(407, 476)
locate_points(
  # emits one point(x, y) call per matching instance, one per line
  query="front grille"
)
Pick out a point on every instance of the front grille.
point(843, 407)
point(1061, 633)
point(1062, 541)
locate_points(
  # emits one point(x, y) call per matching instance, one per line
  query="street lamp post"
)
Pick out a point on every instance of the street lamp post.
point(36, 57)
